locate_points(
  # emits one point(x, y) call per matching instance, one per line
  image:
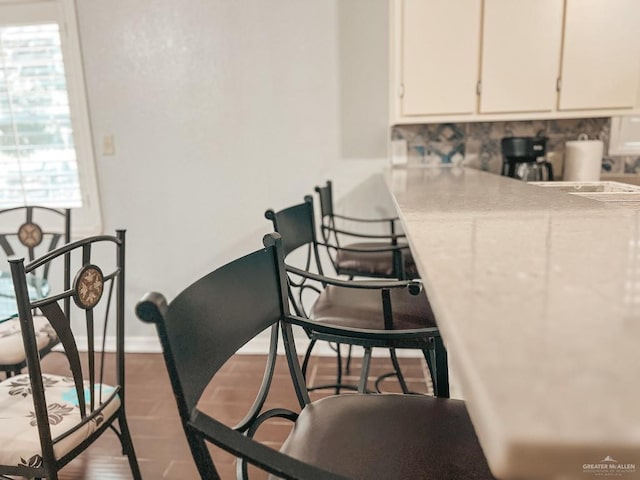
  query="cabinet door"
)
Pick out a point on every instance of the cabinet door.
point(440, 52)
point(521, 46)
point(601, 54)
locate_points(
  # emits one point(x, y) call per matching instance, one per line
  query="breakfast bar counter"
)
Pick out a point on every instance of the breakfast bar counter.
point(537, 296)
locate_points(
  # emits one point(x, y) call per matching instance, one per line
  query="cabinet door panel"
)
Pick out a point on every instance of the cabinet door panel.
point(601, 55)
point(520, 55)
point(440, 56)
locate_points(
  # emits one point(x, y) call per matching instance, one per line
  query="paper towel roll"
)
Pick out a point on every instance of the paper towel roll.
point(583, 160)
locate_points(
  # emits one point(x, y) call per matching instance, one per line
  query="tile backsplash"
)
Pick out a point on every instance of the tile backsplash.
point(477, 145)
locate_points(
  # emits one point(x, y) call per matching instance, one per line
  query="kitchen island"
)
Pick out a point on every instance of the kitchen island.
point(537, 296)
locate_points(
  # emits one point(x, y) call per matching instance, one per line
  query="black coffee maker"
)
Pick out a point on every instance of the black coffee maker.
point(523, 158)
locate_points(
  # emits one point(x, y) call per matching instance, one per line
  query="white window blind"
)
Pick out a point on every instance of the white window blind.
point(46, 151)
point(37, 154)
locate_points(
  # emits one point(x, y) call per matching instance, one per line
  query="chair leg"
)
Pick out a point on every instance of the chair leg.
point(430, 365)
point(202, 458)
point(438, 367)
point(396, 366)
point(338, 386)
point(347, 368)
point(364, 375)
point(442, 367)
point(339, 372)
point(307, 357)
point(127, 446)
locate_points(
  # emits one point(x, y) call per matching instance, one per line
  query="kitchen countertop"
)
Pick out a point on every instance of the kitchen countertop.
point(537, 296)
point(630, 178)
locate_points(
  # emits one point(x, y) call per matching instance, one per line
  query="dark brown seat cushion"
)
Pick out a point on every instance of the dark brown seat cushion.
point(379, 264)
point(404, 437)
point(361, 308)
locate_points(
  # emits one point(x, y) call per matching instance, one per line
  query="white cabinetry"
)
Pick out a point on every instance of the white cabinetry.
point(439, 56)
point(601, 55)
point(521, 44)
point(474, 60)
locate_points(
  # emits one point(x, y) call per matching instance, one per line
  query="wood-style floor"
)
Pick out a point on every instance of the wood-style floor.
point(153, 419)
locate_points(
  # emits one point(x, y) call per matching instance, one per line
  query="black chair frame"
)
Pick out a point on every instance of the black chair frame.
point(296, 226)
point(48, 465)
point(31, 235)
point(224, 310)
point(331, 237)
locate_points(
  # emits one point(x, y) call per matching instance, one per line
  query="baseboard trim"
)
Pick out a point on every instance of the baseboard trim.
point(258, 346)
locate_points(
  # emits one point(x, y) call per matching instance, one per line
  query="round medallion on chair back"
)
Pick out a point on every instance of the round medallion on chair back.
point(88, 286)
point(30, 234)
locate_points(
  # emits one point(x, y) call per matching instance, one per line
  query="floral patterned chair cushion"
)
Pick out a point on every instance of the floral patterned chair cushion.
point(18, 430)
point(11, 346)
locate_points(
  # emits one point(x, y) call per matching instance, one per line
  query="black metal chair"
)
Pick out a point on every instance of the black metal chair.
point(374, 304)
point(379, 255)
point(47, 420)
point(346, 436)
point(37, 231)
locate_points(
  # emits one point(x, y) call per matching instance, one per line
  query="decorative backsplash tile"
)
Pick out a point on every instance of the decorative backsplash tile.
point(477, 144)
point(630, 164)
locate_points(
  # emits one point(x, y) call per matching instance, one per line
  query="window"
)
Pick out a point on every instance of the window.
point(46, 156)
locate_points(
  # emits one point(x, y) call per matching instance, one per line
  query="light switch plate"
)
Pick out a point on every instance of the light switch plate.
point(108, 145)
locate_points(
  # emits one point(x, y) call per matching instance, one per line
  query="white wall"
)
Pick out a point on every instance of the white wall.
point(221, 109)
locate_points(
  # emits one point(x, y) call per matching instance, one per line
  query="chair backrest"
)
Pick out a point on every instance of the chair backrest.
point(296, 225)
point(325, 194)
point(31, 232)
point(209, 321)
point(327, 220)
point(96, 299)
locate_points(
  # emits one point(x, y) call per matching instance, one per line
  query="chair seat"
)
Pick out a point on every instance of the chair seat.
point(362, 308)
point(389, 436)
point(11, 346)
point(18, 430)
point(372, 263)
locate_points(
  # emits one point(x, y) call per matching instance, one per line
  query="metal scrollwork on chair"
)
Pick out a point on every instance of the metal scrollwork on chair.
point(30, 234)
point(88, 286)
point(40, 230)
point(337, 437)
point(57, 417)
point(373, 305)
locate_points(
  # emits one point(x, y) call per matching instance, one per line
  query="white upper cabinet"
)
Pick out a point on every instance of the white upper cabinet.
point(601, 54)
point(492, 60)
point(521, 44)
point(439, 56)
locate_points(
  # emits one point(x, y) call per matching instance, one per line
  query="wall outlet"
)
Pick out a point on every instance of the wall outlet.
point(398, 152)
point(108, 145)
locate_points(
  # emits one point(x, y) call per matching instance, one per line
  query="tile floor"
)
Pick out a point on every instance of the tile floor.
point(158, 438)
